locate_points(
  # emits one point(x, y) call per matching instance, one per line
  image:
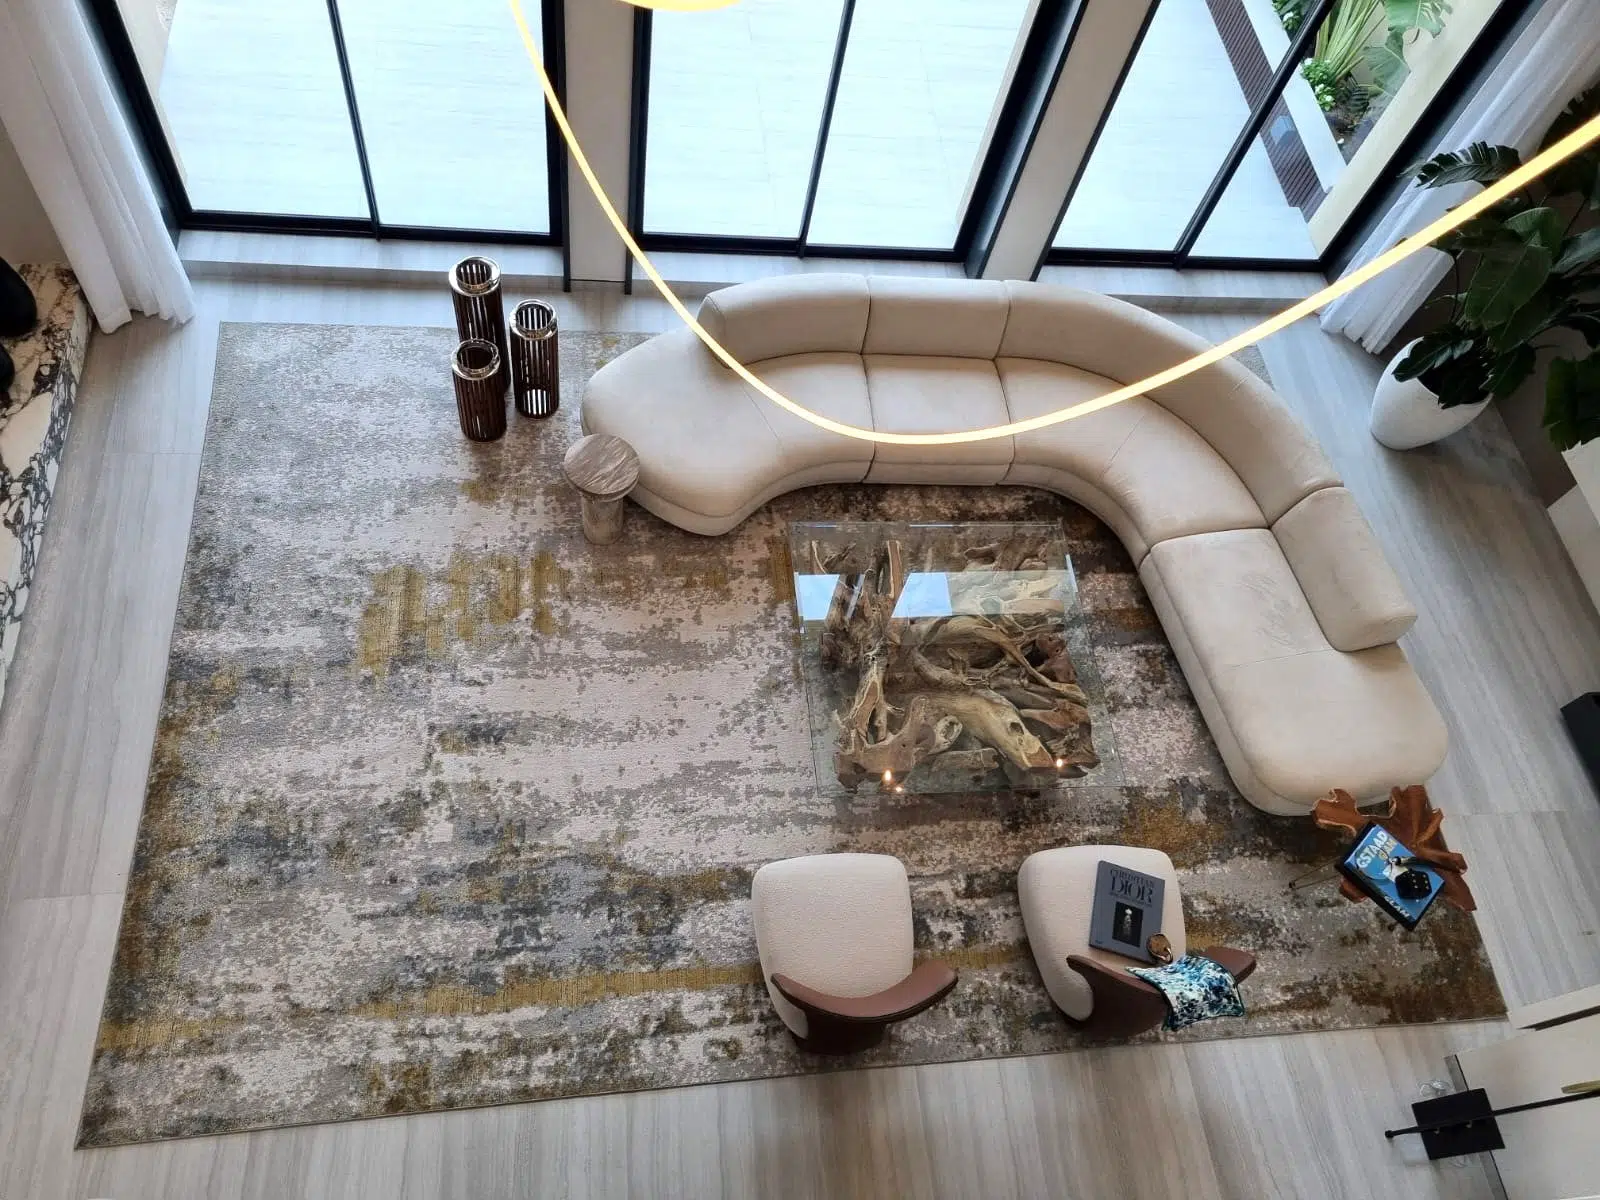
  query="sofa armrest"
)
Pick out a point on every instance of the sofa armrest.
point(1353, 591)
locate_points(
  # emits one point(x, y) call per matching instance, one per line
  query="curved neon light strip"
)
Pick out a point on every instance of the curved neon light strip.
point(1580, 138)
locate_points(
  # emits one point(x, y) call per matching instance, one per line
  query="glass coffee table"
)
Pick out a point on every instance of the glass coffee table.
point(947, 658)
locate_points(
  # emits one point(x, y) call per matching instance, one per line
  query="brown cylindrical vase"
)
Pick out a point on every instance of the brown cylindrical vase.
point(480, 397)
point(480, 309)
point(535, 366)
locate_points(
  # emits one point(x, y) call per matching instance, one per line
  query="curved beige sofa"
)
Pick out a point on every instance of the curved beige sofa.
point(1271, 587)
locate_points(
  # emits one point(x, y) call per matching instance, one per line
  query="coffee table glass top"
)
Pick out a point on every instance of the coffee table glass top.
point(947, 658)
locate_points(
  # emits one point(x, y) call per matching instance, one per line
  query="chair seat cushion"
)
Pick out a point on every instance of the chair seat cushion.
point(919, 394)
point(1163, 474)
point(839, 923)
point(1296, 707)
point(1056, 891)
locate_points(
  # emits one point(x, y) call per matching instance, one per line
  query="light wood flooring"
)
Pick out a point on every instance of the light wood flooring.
point(1507, 635)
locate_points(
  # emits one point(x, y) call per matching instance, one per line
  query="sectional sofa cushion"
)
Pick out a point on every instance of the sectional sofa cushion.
point(1249, 426)
point(794, 314)
point(1356, 596)
point(1301, 712)
point(924, 394)
point(695, 419)
point(1163, 475)
point(951, 318)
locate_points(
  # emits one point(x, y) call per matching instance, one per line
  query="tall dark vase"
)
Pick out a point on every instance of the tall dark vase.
point(18, 311)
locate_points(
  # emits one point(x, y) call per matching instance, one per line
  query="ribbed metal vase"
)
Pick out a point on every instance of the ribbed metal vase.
point(535, 366)
point(480, 309)
point(476, 368)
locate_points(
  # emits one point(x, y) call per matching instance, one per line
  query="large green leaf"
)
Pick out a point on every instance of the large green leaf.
point(1407, 15)
point(1478, 163)
point(1572, 401)
point(1508, 371)
point(1345, 32)
point(1579, 252)
point(1433, 349)
point(1579, 175)
point(1540, 227)
point(1479, 233)
point(1462, 380)
point(1586, 320)
point(1506, 278)
point(1387, 62)
point(1583, 108)
point(1532, 319)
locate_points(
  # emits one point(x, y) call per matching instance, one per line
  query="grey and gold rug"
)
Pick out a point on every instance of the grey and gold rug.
point(449, 808)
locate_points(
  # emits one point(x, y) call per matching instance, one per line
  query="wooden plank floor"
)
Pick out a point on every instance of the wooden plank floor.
point(1506, 636)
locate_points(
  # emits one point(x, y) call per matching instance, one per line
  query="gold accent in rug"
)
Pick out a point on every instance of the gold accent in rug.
point(448, 807)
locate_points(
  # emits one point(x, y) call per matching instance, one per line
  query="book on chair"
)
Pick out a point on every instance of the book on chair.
point(1126, 912)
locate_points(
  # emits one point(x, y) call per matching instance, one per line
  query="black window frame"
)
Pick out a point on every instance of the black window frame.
point(1045, 46)
point(182, 215)
point(1012, 127)
point(1469, 72)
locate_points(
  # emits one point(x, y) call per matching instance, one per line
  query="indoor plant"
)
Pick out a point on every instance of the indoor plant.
point(1519, 272)
point(1346, 41)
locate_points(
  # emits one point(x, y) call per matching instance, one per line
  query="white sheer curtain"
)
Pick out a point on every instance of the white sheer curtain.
point(1555, 57)
point(62, 116)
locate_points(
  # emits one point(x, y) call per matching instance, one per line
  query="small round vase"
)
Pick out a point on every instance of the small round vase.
point(1406, 413)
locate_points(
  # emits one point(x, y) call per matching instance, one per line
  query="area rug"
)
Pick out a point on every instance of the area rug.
point(448, 807)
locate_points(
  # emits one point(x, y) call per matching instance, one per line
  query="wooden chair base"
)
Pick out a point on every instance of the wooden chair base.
point(1126, 1006)
point(850, 1024)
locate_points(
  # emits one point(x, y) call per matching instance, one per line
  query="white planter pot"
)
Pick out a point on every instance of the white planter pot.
point(1406, 414)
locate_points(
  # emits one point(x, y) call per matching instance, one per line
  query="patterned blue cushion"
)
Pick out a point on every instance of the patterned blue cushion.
point(1196, 988)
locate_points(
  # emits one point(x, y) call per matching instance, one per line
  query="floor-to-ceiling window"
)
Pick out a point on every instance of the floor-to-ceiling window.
point(1239, 121)
point(1243, 132)
point(417, 115)
point(824, 123)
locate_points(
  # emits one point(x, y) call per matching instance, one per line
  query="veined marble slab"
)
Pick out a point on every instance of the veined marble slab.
point(33, 433)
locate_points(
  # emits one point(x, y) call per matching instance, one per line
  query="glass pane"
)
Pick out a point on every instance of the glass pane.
point(1260, 213)
point(452, 113)
point(255, 108)
point(735, 102)
point(950, 573)
point(1186, 97)
point(1360, 83)
point(921, 78)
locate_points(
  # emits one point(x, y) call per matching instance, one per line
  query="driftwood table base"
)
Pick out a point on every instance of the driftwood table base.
point(937, 657)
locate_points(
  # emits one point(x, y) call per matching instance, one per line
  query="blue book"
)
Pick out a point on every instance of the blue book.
point(1376, 863)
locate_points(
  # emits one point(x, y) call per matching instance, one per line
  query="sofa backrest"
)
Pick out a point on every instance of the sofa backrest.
point(1225, 403)
point(789, 314)
point(952, 318)
point(975, 318)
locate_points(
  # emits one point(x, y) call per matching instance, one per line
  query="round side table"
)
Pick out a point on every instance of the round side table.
point(604, 469)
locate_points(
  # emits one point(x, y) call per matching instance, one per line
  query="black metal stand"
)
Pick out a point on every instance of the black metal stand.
point(1582, 717)
point(1464, 1123)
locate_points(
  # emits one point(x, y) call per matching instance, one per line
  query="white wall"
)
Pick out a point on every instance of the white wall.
point(1083, 91)
point(25, 232)
point(600, 106)
point(1550, 1153)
